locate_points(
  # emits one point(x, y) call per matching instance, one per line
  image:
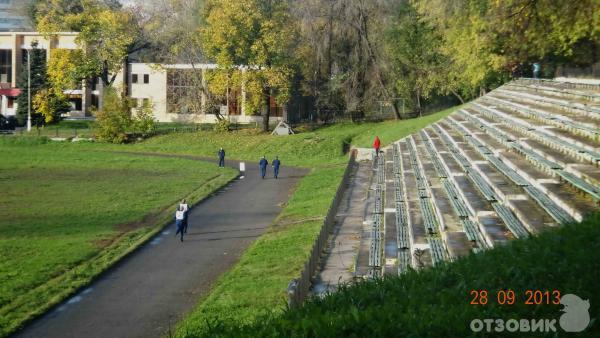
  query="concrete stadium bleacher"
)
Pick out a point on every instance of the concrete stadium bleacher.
point(519, 160)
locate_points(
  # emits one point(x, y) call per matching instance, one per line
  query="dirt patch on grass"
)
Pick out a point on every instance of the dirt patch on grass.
point(148, 221)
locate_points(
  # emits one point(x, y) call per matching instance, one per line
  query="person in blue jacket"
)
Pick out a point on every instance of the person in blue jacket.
point(180, 221)
point(263, 166)
point(221, 158)
point(276, 163)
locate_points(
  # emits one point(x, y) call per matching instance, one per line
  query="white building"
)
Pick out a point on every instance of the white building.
point(174, 91)
point(14, 47)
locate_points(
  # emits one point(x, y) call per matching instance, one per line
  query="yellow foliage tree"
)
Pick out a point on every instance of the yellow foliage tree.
point(255, 35)
point(106, 35)
point(51, 104)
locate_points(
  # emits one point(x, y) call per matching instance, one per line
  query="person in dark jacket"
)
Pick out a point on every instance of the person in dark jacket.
point(263, 166)
point(179, 219)
point(221, 158)
point(276, 163)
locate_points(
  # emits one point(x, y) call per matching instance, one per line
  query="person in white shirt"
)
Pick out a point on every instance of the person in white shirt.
point(184, 206)
point(179, 217)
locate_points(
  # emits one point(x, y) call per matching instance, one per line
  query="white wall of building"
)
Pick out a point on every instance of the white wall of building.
point(156, 91)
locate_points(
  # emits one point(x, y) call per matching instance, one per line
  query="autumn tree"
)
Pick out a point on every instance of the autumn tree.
point(119, 118)
point(107, 35)
point(256, 34)
point(171, 28)
point(486, 39)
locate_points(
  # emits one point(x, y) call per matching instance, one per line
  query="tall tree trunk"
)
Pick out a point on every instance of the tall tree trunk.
point(462, 101)
point(365, 33)
point(267, 113)
point(418, 99)
point(329, 43)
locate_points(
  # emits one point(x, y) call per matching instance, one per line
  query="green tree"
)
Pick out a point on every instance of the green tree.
point(119, 118)
point(257, 34)
point(39, 81)
point(143, 122)
point(486, 39)
point(114, 121)
point(414, 49)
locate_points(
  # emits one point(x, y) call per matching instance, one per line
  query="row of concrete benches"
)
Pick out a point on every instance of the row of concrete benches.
point(579, 106)
point(560, 121)
point(567, 90)
point(456, 200)
point(537, 159)
point(485, 189)
point(429, 218)
point(377, 226)
point(539, 134)
point(402, 224)
point(547, 204)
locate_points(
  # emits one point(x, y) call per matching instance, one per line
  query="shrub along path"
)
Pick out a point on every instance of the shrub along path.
point(153, 288)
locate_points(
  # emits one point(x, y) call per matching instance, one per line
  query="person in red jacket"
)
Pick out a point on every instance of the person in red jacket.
point(376, 145)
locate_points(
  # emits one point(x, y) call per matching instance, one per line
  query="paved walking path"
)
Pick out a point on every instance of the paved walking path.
point(154, 287)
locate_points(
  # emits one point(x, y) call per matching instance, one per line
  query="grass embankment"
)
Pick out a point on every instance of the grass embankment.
point(436, 302)
point(67, 212)
point(323, 147)
point(256, 285)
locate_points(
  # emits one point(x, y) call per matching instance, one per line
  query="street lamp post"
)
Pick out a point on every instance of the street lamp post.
point(28, 90)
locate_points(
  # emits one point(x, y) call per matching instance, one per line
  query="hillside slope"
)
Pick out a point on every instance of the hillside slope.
point(436, 302)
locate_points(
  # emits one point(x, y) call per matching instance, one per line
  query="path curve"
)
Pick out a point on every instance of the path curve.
point(151, 289)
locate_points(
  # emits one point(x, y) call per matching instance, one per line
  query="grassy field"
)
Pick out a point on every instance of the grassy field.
point(256, 285)
point(436, 302)
point(68, 211)
point(64, 129)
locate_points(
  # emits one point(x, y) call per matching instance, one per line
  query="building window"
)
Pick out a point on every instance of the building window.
point(134, 78)
point(184, 91)
point(146, 78)
point(145, 103)
point(5, 65)
point(10, 103)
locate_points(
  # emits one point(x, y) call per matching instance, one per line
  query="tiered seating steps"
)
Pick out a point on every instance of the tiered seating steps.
point(520, 160)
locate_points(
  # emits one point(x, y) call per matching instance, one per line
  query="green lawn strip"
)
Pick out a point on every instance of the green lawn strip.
point(256, 285)
point(58, 212)
point(436, 302)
